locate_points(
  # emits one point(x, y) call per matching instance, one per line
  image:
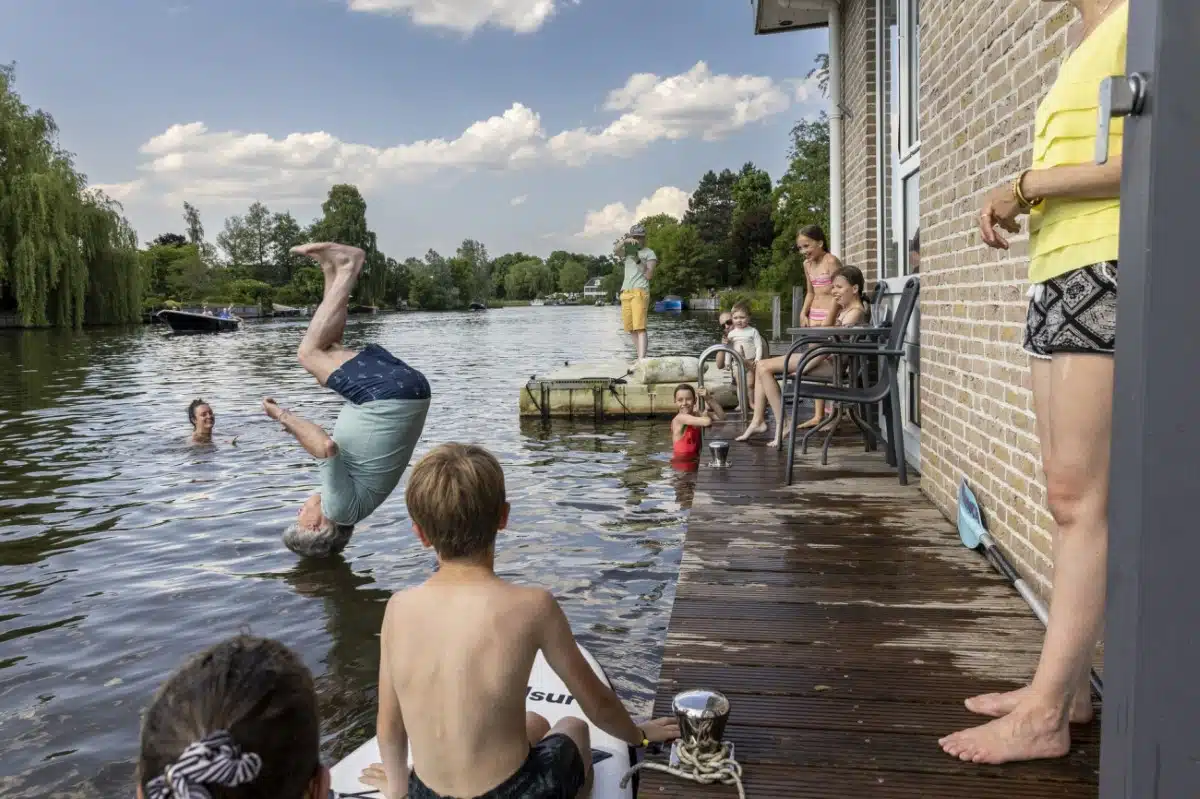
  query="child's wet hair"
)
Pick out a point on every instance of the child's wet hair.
point(248, 708)
point(456, 496)
point(684, 387)
point(193, 405)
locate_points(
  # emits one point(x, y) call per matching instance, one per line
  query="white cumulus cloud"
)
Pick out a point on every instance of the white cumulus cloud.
point(519, 200)
point(119, 191)
point(694, 103)
point(190, 161)
point(617, 218)
point(465, 16)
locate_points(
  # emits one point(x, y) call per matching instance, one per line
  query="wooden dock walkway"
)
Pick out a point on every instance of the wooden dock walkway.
point(846, 623)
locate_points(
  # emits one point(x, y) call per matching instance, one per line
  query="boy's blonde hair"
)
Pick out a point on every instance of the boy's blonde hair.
point(455, 494)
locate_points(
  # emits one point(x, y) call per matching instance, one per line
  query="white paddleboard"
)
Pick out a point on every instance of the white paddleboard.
point(546, 696)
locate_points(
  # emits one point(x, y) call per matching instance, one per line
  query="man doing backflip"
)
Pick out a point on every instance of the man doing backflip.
point(377, 428)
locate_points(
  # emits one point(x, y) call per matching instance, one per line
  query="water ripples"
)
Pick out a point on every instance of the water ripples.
point(123, 549)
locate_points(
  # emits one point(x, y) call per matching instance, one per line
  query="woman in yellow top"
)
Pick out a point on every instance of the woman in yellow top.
point(1074, 220)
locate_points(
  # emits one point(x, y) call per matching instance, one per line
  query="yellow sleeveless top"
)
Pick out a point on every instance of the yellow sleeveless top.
point(1067, 234)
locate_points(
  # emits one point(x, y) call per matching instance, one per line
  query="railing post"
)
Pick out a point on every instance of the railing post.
point(743, 399)
point(797, 304)
point(776, 310)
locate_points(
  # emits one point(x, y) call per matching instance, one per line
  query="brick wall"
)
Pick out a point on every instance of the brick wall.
point(984, 68)
point(859, 136)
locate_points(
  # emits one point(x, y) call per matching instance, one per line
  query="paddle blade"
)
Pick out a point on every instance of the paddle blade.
point(970, 520)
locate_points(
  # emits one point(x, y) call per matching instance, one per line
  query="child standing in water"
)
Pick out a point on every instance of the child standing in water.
point(685, 427)
point(819, 267)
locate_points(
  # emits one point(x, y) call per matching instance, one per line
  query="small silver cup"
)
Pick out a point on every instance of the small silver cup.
point(720, 454)
point(702, 716)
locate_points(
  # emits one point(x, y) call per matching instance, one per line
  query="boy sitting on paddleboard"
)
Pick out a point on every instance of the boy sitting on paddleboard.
point(456, 653)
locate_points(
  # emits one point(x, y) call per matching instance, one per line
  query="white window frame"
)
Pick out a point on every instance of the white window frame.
point(903, 155)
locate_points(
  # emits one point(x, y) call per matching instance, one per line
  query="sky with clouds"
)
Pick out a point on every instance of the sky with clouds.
point(527, 124)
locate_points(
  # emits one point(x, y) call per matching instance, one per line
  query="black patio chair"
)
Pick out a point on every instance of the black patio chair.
point(878, 328)
point(886, 350)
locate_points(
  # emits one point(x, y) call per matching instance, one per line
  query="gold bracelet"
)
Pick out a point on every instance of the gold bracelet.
point(1026, 204)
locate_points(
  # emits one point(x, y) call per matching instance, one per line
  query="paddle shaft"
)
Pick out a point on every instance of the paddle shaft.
point(997, 559)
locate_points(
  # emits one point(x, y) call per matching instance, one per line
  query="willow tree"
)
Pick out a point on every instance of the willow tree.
point(66, 254)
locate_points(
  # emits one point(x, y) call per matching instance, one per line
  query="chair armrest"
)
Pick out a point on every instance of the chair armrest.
point(808, 337)
point(842, 349)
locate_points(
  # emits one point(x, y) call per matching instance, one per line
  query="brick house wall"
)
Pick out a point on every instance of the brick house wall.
point(984, 67)
point(859, 137)
point(982, 76)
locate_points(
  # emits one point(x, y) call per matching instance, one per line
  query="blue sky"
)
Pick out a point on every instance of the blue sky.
point(527, 124)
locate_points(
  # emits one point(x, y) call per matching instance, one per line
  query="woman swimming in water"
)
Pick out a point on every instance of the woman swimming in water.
point(201, 415)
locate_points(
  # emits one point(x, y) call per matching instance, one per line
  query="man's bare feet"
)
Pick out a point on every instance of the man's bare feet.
point(1001, 704)
point(753, 429)
point(1028, 733)
point(335, 259)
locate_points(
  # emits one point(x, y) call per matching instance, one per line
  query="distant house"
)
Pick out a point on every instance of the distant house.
point(592, 288)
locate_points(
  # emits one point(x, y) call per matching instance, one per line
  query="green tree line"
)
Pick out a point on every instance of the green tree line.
point(68, 256)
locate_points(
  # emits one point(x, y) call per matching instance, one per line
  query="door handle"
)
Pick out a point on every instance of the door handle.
point(1120, 96)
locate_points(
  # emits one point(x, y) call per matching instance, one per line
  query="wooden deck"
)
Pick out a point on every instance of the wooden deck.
point(846, 623)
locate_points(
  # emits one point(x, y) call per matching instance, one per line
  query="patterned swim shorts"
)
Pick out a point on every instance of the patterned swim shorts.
point(376, 374)
point(1075, 312)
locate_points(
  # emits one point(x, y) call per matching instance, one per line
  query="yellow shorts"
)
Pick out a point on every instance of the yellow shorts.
point(635, 303)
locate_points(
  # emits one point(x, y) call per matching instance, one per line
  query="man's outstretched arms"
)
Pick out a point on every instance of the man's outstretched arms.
point(315, 440)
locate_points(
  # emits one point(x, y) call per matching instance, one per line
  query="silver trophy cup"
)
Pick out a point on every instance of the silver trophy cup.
point(720, 454)
point(702, 716)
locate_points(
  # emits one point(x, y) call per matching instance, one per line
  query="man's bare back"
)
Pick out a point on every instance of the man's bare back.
point(458, 654)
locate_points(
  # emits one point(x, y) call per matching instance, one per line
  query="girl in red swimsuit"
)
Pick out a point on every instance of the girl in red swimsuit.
point(685, 427)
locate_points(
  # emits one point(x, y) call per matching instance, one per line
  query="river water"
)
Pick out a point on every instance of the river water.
point(123, 549)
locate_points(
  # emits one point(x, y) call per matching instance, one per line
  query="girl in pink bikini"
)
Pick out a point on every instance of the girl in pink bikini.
point(819, 267)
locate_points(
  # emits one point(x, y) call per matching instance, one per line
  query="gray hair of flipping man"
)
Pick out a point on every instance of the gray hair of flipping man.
point(329, 538)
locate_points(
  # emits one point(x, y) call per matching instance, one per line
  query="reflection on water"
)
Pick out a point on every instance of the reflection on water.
point(123, 549)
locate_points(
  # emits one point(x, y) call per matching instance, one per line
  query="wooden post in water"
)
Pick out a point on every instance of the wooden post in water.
point(776, 312)
point(797, 304)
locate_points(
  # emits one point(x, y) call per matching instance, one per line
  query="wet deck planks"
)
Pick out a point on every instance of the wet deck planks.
point(845, 622)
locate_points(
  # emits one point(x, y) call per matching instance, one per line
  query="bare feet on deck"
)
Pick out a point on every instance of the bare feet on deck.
point(335, 259)
point(813, 422)
point(1001, 704)
point(753, 429)
point(1028, 733)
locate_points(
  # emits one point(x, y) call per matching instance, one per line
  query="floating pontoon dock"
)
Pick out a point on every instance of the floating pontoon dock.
point(621, 390)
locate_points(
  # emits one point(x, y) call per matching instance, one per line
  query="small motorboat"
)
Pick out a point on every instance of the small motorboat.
point(477, 306)
point(187, 322)
point(669, 304)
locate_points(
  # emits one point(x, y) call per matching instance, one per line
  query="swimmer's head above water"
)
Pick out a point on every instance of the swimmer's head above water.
point(315, 535)
point(201, 415)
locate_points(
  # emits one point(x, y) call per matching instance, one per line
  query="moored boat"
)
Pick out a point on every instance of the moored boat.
point(187, 322)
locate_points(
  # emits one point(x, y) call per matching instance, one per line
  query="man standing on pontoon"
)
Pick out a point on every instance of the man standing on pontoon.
point(639, 262)
point(377, 428)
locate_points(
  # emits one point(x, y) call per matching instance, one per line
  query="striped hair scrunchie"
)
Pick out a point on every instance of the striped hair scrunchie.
point(216, 759)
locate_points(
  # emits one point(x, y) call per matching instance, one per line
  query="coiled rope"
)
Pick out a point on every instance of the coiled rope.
point(706, 768)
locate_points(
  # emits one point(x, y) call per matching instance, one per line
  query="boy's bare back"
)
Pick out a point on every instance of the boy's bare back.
point(458, 654)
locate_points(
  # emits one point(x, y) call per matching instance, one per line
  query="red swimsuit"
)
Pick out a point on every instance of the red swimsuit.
point(688, 446)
